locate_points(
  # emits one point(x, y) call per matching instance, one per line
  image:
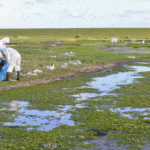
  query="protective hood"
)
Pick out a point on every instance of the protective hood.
point(5, 40)
point(2, 46)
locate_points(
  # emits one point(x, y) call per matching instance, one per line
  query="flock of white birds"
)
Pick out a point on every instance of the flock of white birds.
point(52, 67)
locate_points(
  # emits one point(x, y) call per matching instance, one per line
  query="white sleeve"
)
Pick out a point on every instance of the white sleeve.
point(8, 56)
point(1, 56)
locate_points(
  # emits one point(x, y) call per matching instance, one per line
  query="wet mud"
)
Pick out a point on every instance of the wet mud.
point(98, 87)
point(83, 71)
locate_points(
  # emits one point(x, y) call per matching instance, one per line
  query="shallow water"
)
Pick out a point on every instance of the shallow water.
point(112, 82)
point(41, 120)
point(84, 96)
point(49, 119)
point(44, 120)
point(108, 84)
point(130, 112)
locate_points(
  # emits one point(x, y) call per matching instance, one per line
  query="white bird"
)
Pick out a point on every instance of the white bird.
point(50, 67)
point(53, 56)
point(131, 57)
point(64, 65)
point(75, 62)
point(143, 42)
point(37, 71)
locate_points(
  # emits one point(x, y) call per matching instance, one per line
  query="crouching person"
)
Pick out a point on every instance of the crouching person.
point(13, 58)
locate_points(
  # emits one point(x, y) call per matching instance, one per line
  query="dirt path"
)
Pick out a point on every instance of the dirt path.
point(83, 71)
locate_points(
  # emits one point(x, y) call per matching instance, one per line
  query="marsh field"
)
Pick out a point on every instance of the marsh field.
point(78, 91)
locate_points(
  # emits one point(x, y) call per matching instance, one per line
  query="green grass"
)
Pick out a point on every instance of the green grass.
point(48, 96)
point(36, 35)
point(36, 54)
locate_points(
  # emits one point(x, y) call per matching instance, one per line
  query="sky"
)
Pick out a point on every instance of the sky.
point(74, 13)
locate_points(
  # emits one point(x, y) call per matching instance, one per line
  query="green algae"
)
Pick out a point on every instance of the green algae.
point(48, 97)
point(92, 117)
point(64, 137)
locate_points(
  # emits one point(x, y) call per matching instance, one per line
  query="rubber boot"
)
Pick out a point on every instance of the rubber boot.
point(7, 76)
point(18, 75)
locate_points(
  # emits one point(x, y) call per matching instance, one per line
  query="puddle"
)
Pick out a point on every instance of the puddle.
point(48, 120)
point(105, 143)
point(41, 120)
point(44, 120)
point(84, 96)
point(143, 63)
point(124, 112)
point(107, 84)
point(80, 105)
point(112, 82)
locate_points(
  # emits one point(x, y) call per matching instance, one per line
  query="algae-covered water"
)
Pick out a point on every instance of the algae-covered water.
point(71, 113)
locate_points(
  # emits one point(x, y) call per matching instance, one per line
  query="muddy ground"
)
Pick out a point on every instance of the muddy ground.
point(103, 143)
point(83, 71)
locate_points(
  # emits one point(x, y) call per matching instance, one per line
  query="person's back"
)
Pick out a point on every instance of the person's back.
point(12, 55)
point(13, 58)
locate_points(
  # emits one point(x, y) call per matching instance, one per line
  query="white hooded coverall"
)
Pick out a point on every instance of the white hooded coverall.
point(12, 56)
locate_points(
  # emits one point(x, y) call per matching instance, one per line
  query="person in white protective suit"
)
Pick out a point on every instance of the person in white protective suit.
point(12, 56)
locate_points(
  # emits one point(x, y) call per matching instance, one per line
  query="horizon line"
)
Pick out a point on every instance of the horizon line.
point(82, 28)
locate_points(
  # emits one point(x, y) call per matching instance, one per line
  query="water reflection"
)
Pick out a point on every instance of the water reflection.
point(44, 120)
point(47, 120)
point(15, 106)
point(84, 96)
point(131, 112)
point(112, 82)
point(109, 83)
